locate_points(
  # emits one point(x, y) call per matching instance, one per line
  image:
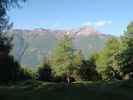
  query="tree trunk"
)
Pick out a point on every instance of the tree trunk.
point(68, 79)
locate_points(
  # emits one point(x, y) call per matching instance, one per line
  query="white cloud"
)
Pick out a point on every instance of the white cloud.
point(87, 23)
point(102, 23)
point(97, 24)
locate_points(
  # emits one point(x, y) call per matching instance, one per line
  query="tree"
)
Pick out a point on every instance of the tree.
point(64, 58)
point(105, 61)
point(27, 73)
point(9, 67)
point(4, 6)
point(124, 57)
point(88, 69)
point(45, 71)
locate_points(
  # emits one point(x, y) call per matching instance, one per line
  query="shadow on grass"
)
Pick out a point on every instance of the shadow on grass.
point(37, 90)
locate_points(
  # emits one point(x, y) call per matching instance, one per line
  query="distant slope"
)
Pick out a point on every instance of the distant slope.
point(40, 42)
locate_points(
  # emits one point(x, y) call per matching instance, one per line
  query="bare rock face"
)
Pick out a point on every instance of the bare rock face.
point(87, 30)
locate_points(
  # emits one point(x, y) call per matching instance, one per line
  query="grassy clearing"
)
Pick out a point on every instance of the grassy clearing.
point(35, 90)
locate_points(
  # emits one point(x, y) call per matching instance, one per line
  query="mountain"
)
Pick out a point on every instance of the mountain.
point(30, 46)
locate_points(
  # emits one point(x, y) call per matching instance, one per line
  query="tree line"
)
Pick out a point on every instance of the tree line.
point(113, 62)
point(66, 64)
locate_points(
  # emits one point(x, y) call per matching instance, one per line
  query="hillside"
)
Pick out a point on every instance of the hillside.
point(39, 42)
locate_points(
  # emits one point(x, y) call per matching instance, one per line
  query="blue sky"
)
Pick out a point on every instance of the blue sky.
point(107, 16)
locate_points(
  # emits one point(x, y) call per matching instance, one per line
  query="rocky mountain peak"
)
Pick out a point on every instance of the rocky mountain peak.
point(87, 31)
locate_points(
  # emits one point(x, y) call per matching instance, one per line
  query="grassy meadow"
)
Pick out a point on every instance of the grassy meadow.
point(37, 90)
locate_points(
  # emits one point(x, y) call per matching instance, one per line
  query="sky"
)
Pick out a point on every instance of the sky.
point(107, 16)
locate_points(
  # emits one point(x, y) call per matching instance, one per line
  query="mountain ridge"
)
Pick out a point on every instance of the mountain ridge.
point(39, 42)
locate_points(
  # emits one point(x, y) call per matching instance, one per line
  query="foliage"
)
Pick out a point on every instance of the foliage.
point(9, 67)
point(105, 60)
point(65, 59)
point(88, 70)
point(124, 56)
point(45, 71)
point(4, 6)
point(27, 73)
point(115, 61)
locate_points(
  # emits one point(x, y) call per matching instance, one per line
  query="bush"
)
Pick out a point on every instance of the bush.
point(45, 72)
point(27, 74)
point(88, 71)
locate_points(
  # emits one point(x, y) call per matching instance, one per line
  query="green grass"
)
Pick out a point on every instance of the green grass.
point(36, 90)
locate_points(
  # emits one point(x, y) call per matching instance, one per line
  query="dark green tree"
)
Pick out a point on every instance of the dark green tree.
point(9, 68)
point(26, 73)
point(124, 56)
point(88, 69)
point(45, 70)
